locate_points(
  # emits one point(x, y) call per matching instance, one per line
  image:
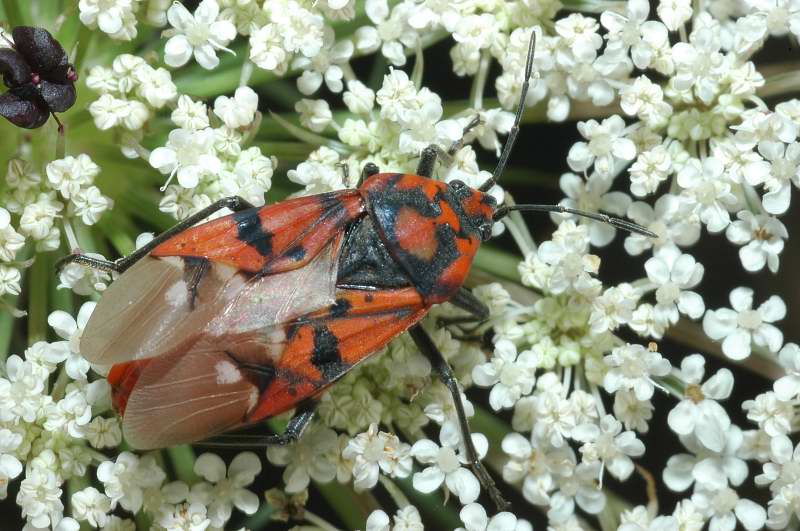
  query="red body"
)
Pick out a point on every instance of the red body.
point(244, 317)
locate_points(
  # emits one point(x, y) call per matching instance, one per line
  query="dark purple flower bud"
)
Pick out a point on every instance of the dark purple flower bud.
point(39, 77)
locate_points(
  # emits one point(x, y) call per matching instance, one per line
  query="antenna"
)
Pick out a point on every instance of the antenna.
point(512, 134)
point(560, 209)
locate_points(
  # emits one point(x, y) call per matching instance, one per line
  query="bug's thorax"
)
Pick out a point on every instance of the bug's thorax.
point(431, 228)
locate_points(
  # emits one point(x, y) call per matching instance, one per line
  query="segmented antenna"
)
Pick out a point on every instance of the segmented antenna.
point(560, 209)
point(512, 134)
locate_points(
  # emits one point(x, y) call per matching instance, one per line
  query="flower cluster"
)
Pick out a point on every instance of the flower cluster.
point(673, 132)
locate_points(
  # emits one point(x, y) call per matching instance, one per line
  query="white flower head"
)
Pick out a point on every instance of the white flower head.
point(200, 34)
point(742, 327)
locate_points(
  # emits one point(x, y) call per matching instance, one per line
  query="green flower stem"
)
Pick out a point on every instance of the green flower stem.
point(6, 328)
point(182, 458)
point(394, 491)
point(435, 512)
point(498, 262)
point(318, 521)
point(785, 81)
point(351, 507)
point(38, 289)
point(12, 13)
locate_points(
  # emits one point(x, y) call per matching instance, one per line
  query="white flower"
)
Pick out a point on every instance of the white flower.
point(200, 34)
point(190, 114)
point(188, 154)
point(327, 65)
point(373, 452)
point(724, 507)
point(238, 111)
point(606, 142)
point(10, 279)
point(114, 17)
point(632, 367)
point(81, 279)
point(89, 204)
point(310, 457)
point(390, 32)
point(227, 488)
point(126, 478)
point(593, 194)
point(358, 98)
point(39, 496)
point(510, 375)
point(406, 519)
point(674, 274)
point(651, 168)
point(314, 114)
point(712, 470)
point(70, 174)
point(21, 391)
point(613, 308)
point(633, 413)
point(475, 519)
point(607, 442)
point(699, 412)
point(670, 218)
point(705, 183)
point(266, 49)
point(778, 175)
point(446, 466)
point(579, 487)
point(781, 474)
point(91, 505)
point(103, 433)
point(155, 85)
point(762, 239)
point(741, 327)
point(788, 387)
point(109, 112)
point(774, 416)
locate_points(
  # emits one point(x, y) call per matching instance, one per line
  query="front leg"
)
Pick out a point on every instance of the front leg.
point(428, 348)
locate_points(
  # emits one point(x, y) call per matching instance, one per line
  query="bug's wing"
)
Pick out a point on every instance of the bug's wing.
point(318, 349)
point(42, 52)
point(270, 239)
point(152, 309)
point(21, 112)
point(223, 382)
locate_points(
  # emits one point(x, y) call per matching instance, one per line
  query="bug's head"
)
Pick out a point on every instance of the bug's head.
point(478, 208)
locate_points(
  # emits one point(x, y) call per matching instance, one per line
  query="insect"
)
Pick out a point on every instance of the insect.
point(217, 326)
point(39, 77)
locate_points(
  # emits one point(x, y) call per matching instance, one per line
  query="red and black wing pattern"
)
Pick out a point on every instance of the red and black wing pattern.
point(270, 239)
point(218, 383)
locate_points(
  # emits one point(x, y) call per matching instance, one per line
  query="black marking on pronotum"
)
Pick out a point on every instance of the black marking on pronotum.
point(326, 356)
point(194, 269)
point(250, 231)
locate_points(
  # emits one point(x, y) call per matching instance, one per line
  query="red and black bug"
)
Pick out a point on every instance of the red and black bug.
point(39, 77)
point(217, 326)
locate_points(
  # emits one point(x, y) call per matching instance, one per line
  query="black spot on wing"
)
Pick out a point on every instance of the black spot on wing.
point(326, 356)
point(250, 231)
point(194, 269)
point(261, 375)
point(340, 308)
point(296, 253)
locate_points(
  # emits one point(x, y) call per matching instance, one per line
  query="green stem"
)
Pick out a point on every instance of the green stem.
point(38, 289)
point(501, 263)
point(182, 458)
point(13, 13)
point(350, 507)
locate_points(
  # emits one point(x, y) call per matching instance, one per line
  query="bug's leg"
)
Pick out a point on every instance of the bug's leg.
point(428, 348)
point(294, 430)
point(234, 203)
point(427, 160)
point(464, 299)
point(369, 169)
point(458, 144)
point(429, 155)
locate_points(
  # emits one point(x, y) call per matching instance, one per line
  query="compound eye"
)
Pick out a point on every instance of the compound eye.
point(485, 231)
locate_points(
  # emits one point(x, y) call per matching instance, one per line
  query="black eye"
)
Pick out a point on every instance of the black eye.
point(485, 230)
